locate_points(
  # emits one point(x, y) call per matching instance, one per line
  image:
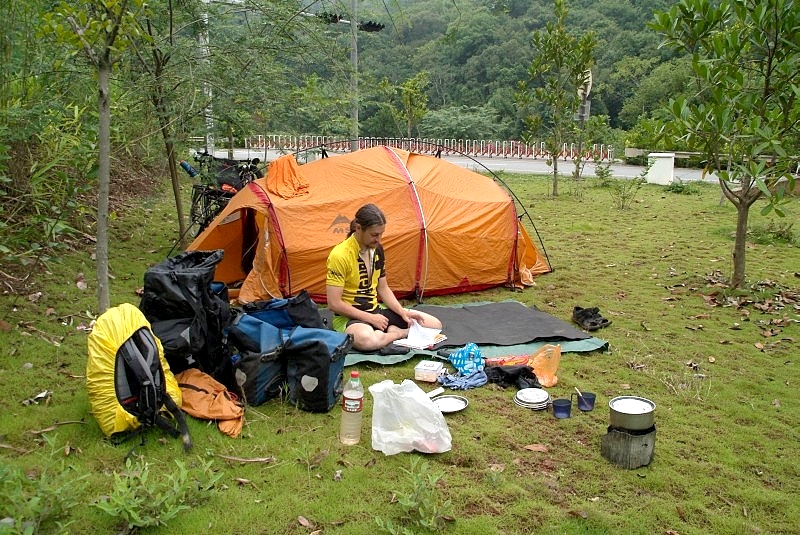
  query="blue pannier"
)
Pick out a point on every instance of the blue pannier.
point(302, 364)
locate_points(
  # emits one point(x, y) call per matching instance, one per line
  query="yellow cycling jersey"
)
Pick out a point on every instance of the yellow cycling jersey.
point(347, 270)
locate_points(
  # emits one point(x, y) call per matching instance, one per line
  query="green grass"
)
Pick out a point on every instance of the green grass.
point(727, 417)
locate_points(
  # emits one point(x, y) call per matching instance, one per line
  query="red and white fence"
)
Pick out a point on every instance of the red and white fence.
point(469, 147)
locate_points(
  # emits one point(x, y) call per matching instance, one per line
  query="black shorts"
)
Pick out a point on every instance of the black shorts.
point(393, 317)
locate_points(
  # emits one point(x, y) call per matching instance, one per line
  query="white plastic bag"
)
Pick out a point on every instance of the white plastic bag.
point(405, 419)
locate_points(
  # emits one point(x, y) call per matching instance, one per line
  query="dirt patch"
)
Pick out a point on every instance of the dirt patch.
point(131, 181)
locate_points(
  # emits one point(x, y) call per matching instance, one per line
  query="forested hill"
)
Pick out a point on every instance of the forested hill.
point(475, 51)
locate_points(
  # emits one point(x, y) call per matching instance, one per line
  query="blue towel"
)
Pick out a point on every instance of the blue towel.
point(456, 381)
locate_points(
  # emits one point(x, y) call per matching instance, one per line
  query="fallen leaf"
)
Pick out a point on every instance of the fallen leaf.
point(303, 521)
point(537, 447)
point(625, 386)
point(579, 514)
point(759, 345)
point(337, 475)
point(776, 403)
point(595, 499)
point(736, 327)
point(497, 467)
point(34, 297)
point(681, 514)
point(712, 360)
point(318, 458)
point(5, 326)
point(242, 481)
point(50, 311)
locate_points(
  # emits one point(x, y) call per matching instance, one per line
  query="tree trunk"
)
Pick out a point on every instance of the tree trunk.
point(103, 183)
point(173, 166)
point(555, 174)
point(742, 213)
point(744, 199)
point(176, 190)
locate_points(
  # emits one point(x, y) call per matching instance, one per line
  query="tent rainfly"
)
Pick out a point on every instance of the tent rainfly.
point(449, 230)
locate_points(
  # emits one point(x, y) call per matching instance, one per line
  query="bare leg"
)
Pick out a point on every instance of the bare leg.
point(366, 338)
point(431, 322)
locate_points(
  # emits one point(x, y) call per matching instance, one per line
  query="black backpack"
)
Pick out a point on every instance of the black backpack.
point(141, 387)
point(190, 313)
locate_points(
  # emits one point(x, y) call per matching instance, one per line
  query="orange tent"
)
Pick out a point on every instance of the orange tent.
point(449, 229)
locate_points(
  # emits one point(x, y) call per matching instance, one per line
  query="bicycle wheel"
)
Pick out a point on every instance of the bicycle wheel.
point(196, 211)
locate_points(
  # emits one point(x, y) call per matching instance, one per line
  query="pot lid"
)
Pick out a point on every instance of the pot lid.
point(631, 405)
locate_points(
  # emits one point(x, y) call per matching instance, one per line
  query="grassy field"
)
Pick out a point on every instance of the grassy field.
point(721, 366)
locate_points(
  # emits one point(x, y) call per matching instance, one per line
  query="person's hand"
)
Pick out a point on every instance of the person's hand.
point(379, 321)
point(413, 315)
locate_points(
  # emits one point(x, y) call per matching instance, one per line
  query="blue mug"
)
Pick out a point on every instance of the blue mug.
point(562, 407)
point(585, 400)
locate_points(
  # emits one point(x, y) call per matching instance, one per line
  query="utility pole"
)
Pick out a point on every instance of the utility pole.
point(355, 27)
point(205, 53)
point(354, 145)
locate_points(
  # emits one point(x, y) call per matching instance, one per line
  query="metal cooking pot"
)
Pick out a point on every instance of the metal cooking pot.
point(631, 412)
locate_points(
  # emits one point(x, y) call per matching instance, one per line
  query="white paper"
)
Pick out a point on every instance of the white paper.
point(419, 337)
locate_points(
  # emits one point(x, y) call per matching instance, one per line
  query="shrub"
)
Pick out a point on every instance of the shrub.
point(140, 499)
point(423, 512)
point(38, 501)
point(683, 188)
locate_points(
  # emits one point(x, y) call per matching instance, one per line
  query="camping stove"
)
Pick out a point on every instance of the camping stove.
point(629, 448)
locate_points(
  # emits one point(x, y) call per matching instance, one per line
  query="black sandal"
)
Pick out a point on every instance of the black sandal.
point(589, 318)
point(393, 349)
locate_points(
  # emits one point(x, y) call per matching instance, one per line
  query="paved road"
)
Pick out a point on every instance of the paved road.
point(509, 165)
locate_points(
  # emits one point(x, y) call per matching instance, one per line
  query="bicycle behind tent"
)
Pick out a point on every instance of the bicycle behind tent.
point(220, 179)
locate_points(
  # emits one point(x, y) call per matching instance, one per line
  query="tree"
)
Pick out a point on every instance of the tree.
point(550, 93)
point(746, 58)
point(101, 30)
point(160, 52)
point(414, 101)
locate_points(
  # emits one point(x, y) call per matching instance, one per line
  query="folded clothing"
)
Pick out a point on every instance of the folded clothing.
point(456, 381)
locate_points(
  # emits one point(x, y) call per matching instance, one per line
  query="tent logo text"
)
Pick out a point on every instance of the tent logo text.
point(340, 225)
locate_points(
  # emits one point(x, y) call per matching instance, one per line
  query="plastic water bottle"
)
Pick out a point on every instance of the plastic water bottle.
point(352, 405)
point(191, 171)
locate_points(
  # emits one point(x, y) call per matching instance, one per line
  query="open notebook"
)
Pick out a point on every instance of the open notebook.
point(420, 337)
